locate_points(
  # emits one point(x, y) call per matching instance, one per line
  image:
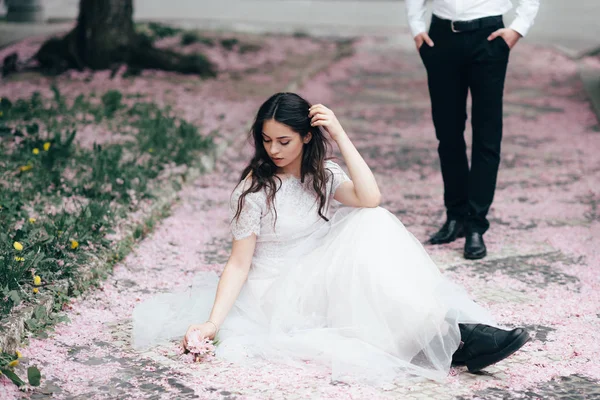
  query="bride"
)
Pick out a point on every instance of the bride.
point(355, 290)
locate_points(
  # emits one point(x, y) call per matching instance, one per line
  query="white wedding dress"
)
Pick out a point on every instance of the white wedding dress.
point(358, 293)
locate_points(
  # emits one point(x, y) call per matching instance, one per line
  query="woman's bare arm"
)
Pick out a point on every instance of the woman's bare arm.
point(230, 284)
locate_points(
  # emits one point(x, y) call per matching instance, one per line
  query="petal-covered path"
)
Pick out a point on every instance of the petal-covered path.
point(541, 272)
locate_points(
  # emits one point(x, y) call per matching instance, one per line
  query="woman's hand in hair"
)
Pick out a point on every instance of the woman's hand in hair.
point(362, 191)
point(322, 116)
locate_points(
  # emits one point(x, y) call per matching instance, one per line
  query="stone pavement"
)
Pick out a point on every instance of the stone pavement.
point(541, 272)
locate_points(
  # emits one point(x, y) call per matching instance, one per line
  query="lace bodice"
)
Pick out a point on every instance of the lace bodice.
point(297, 213)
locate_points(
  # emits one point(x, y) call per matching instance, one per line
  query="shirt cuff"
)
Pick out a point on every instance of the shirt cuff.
point(417, 27)
point(521, 26)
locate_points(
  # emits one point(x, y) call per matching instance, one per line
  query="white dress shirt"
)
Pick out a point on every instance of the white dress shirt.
point(466, 10)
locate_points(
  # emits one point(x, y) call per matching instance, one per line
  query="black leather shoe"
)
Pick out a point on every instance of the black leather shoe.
point(483, 345)
point(474, 246)
point(452, 229)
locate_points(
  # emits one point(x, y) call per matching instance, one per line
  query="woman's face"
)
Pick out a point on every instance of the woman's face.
point(284, 146)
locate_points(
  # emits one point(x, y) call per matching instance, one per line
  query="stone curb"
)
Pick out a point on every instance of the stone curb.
point(13, 329)
point(578, 54)
point(590, 77)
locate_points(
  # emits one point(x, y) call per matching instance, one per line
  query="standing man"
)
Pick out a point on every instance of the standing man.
point(467, 48)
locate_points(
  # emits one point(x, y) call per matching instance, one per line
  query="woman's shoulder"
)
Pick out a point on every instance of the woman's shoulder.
point(335, 174)
point(333, 168)
point(243, 186)
point(331, 164)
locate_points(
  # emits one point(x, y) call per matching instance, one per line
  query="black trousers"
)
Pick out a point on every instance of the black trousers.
point(459, 62)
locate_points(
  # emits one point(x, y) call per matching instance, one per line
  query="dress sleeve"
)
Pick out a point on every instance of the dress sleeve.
point(250, 216)
point(337, 177)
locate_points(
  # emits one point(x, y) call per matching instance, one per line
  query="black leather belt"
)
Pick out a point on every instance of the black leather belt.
point(467, 26)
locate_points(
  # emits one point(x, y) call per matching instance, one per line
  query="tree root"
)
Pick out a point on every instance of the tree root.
point(59, 55)
point(145, 56)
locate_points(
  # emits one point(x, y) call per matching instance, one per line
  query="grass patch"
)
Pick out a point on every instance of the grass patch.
point(191, 37)
point(60, 203)
point(229, 43)
point(156, 31)
point(8, 362)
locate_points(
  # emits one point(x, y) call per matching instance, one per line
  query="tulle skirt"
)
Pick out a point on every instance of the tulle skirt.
point(360, 295)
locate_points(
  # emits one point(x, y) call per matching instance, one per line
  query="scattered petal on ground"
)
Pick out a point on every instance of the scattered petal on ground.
point(542, 271)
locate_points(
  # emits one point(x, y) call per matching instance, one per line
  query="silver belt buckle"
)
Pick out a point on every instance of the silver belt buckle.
point(452, 27)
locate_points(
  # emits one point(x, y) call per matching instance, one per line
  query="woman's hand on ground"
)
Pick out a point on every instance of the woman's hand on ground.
point(207, 330)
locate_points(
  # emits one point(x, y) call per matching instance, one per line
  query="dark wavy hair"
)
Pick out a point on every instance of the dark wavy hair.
point(291, 110)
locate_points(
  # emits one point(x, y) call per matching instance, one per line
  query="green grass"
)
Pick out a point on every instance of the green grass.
point(8, 362)
point(156, 31)
point(191, 37)
point(76, 195)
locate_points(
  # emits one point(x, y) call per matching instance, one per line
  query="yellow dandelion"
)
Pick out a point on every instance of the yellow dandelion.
point(32, 220)
point(36, 151)
point(20, 259)
point(24, 168)
point(74, 244)
point(18, 246)
point(18, 353)
point(46, 146)
point(35, 290)
point(13, 363)
point(37, 281)
point(150, 150)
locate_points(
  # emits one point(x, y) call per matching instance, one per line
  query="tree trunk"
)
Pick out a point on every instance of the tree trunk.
point(105, 38)
point(104, 32)
point(24, 11)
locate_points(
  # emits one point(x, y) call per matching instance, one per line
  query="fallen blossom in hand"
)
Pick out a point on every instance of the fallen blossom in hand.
point(200, 346)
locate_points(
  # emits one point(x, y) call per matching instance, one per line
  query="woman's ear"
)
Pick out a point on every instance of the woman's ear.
point(307, 138)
